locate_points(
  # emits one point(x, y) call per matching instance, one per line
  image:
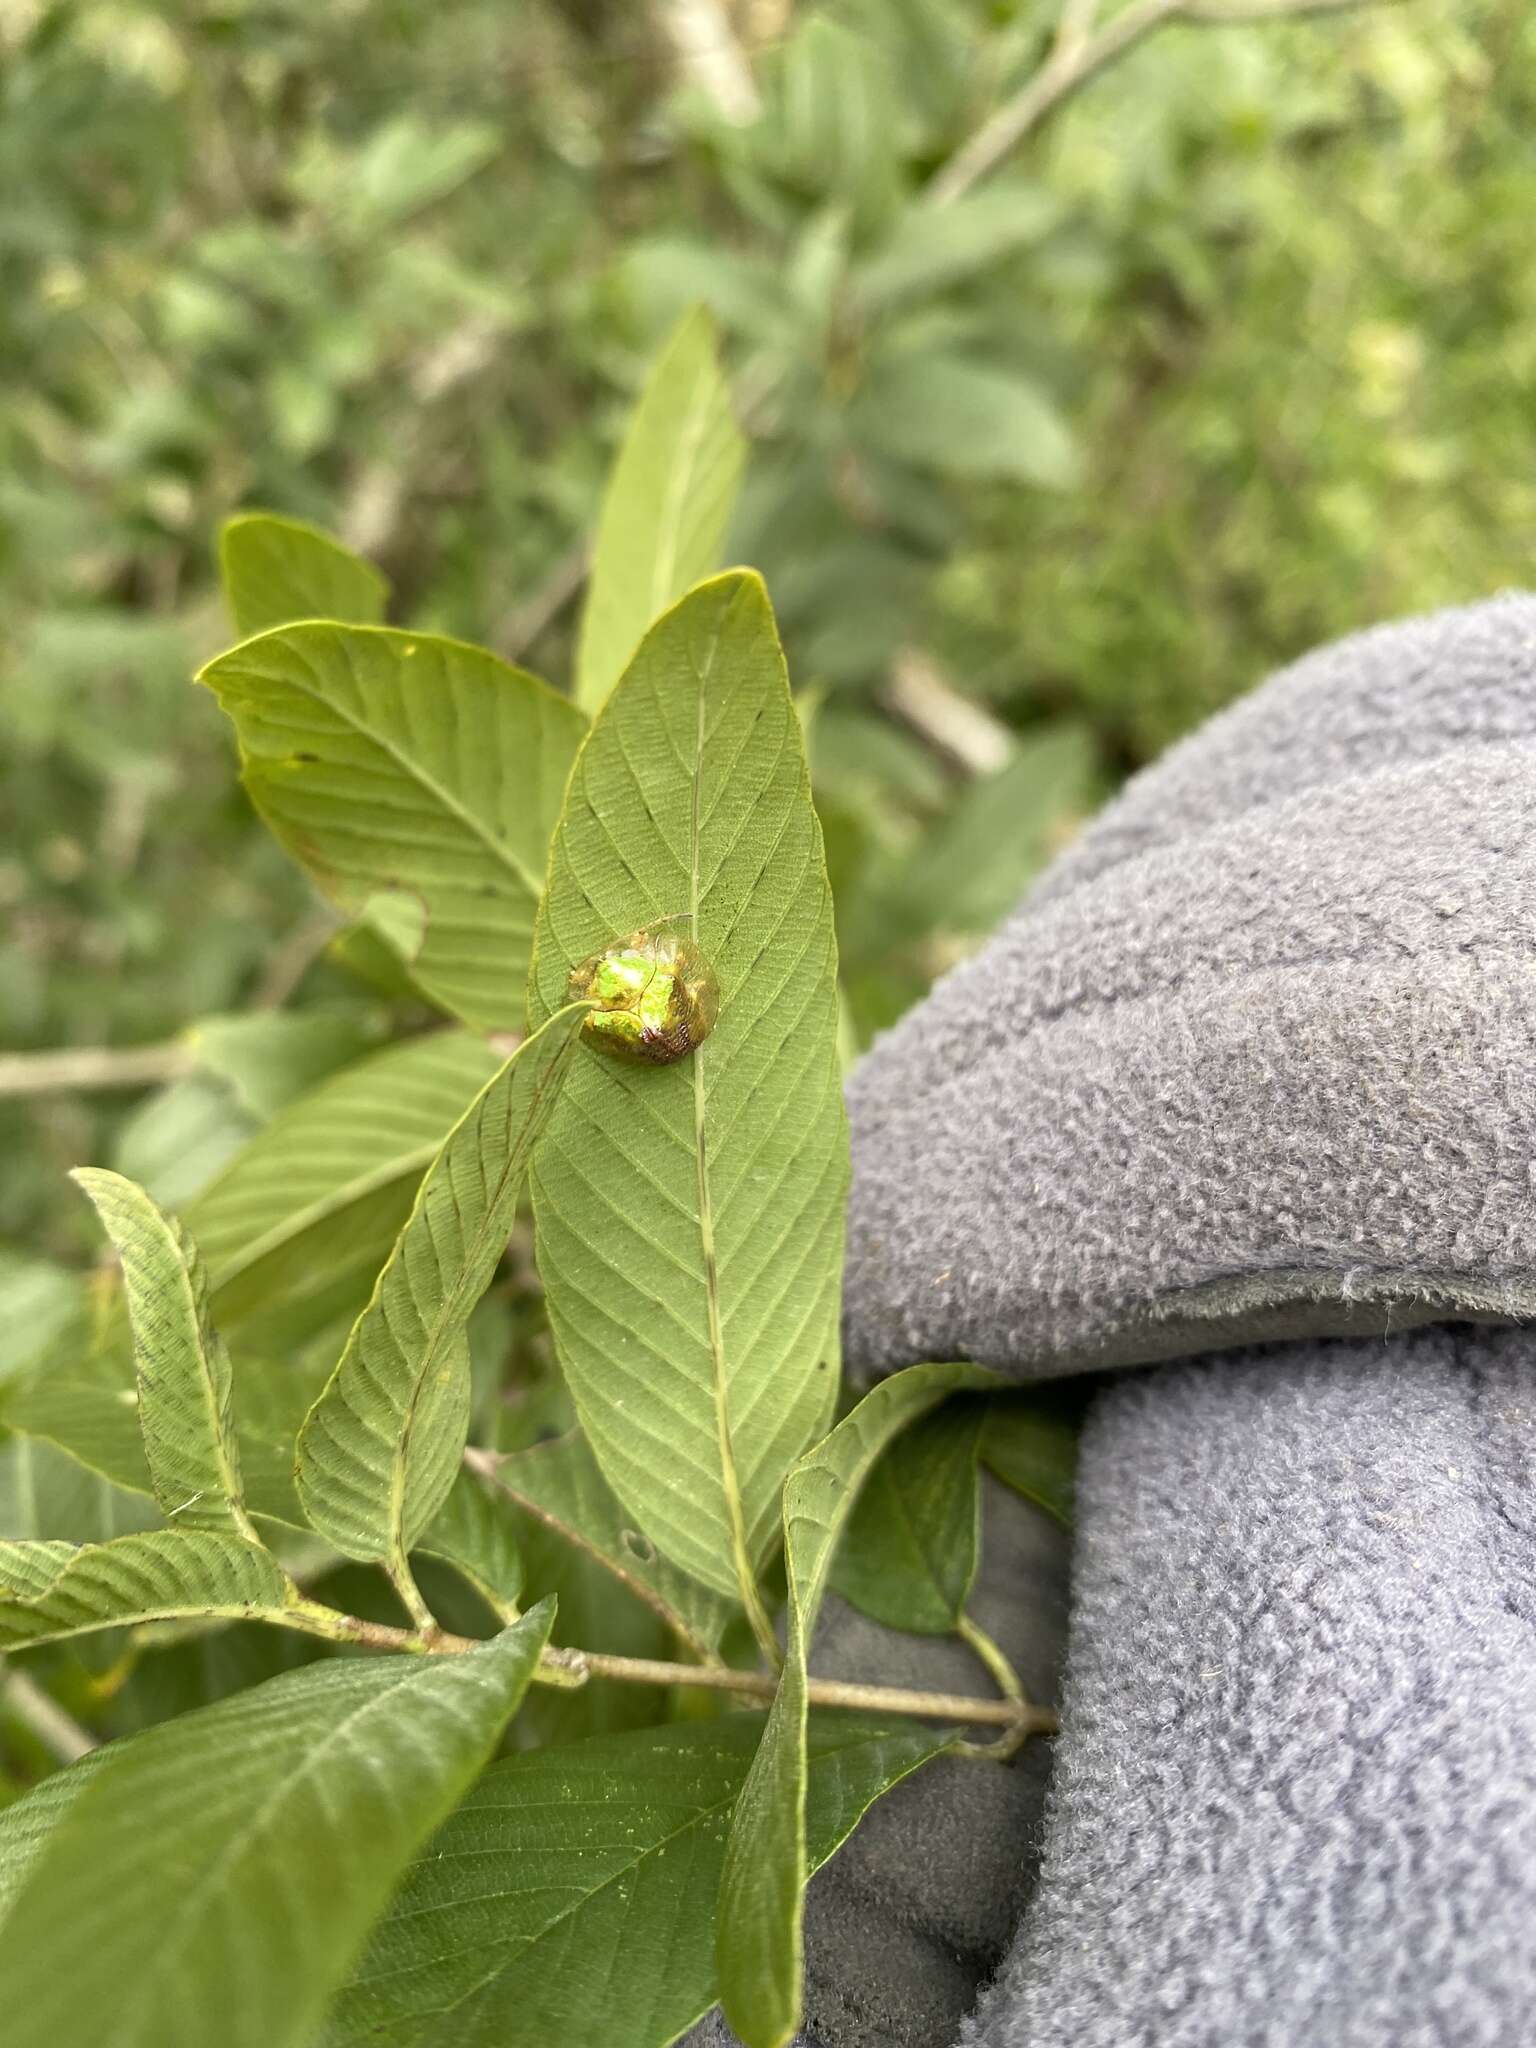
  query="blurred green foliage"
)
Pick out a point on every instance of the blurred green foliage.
point(1232, 356)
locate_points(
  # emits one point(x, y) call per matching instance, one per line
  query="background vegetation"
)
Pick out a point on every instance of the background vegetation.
point(1234, 354)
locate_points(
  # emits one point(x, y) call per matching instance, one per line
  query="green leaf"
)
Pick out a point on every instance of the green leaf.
point(378, 944)
point(91, 1413)
point(385, 760)
point(932, 247)
point(562, 1484)
point(665, 276)
point(181, 1364)
point(475, 1533)
point(46, 1493)
point(596, 1612)
point(908, 1555)
point(180, 1137)
point(277, 570)
point(319, 1196)
point(25, 1827)
point(272, 1056)
point(379, 1449)
point(214, 1878)
point(760, 1939)
point(1030, 1442)
point(48, 1590)
point(830, 124)
point(38, 1302)
point(690, 1217)
point(407, 163)
point(88, 1415)
point(667, 504)
point(964, 418)
point(571, 1897)
point(972, 868)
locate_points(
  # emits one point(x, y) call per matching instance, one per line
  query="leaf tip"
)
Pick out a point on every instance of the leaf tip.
point(95, 1182)
point(741, 587)
point(696, 324)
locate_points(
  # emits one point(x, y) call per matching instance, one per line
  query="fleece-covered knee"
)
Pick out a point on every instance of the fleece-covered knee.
point(1295, 1794)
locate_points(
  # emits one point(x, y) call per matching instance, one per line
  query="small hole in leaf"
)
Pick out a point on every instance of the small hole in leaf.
point(640, 1548)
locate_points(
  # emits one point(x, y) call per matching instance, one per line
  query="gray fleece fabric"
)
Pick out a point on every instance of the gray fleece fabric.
point(1294, 1805)
point(1251, 1072)
point(1255, 1061)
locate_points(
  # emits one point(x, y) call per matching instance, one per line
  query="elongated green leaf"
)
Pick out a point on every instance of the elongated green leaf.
point(971, 869)
point(964, 418)
point(277, 570)
point(571, 1897)
point(270, 1057)
point(38, 1303)
point(302, 1218)
point(92, 1418)
point(830, 123)
point(935, 246)
point(380, 1448)
point(215, 1877)
point(1029, 1441)
point(180, 1137)
point(562, 1484)
point(475, 1533)
point(667, 506)
point(26, 1825)
point(908, 1555)
point(184, 1383)
point(61, 1589)
point(28, 1569)
point(690, 1217)
point(760, 1938)
point(45, 1493)
point(92, 1414)
point(380, 943)
point(400, 761)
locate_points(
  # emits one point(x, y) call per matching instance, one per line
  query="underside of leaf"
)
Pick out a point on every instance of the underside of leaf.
point(49, 1590)
point(380, 1448)
point(690, 1217)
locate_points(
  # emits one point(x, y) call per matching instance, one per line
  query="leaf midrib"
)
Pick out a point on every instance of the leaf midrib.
point(225, 1452)
point(729, 1483)
point(519, 1954)
point(276, 1617)
point(529, 1943)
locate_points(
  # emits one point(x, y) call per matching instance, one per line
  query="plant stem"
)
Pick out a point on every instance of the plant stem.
point(919, 697)
point(94, 1067)
point(57, 1730)
point(293, 957)
point(311, 1618)
point(1008, 1682)
point(703, 39)
point(410, 1597)
point(1076, 57)
point(976, 1639)
point(823, 1692)
point(572, 1668)
point(523, 624)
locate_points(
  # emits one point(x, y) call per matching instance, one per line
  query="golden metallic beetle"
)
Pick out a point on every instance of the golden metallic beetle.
point(657, 995)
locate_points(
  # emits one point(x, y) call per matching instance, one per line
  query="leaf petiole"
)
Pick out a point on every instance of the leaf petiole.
point(567, 1669)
